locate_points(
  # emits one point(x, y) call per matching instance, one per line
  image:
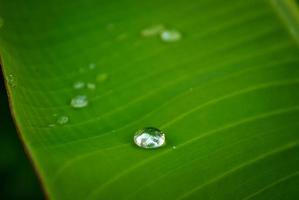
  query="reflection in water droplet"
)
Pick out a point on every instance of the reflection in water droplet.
point(92, 65)
point(149, 138)
point(102, 77)
point(152, 30)
point(62, 120)
point(11, 80)
point(91, 86)
point(170, 35)
point(79, 85)
point(79, 101)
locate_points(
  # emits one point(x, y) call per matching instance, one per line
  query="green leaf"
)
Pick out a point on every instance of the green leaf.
point(225, 94)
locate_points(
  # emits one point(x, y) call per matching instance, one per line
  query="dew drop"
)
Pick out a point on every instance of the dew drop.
point(91, 86)
point(102, 77)
point(11, 80)
point(149, 138)
point(79, 85)
point(173, 147)
point(62, 120)
point(170, 36)
point(79, 101)
point(152, 30)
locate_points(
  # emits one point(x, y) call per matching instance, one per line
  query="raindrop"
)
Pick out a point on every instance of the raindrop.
point(91, 86)
point(102, 77)
point(79, 101)
point(79, 85)
point(152, 30)
point(149, 138)
point(11, 80)
point(173, 147)
point(62, 120)
point(170, 36)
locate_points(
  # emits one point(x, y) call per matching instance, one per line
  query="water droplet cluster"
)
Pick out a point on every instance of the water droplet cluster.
point(165, 34)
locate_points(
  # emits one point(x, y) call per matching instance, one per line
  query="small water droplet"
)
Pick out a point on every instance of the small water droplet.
point(173, 147)
point(11, 80)
point(51, 125)
point(91, 86)
point(79, 101)
point(149, 138)
point(92, 65)
point(102, 77)
point(152, 30)
point(79, 85)
point(62, 120)
point(170, 36)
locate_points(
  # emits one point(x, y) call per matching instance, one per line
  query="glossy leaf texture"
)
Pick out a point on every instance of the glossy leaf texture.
point(225, 94)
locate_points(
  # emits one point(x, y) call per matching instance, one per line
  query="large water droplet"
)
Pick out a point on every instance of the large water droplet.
point(79, 101)
point(62, 120)
point(11, 80)
point(149, 138)
point(152, 30)
point(79, 85)
point(170, 35)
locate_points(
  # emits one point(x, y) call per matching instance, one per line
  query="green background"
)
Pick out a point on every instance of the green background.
point(226, 96)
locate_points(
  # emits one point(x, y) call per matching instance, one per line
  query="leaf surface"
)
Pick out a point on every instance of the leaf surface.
point(225, 94)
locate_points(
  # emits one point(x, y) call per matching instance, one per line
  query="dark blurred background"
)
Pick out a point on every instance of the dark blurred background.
point(18, 180)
